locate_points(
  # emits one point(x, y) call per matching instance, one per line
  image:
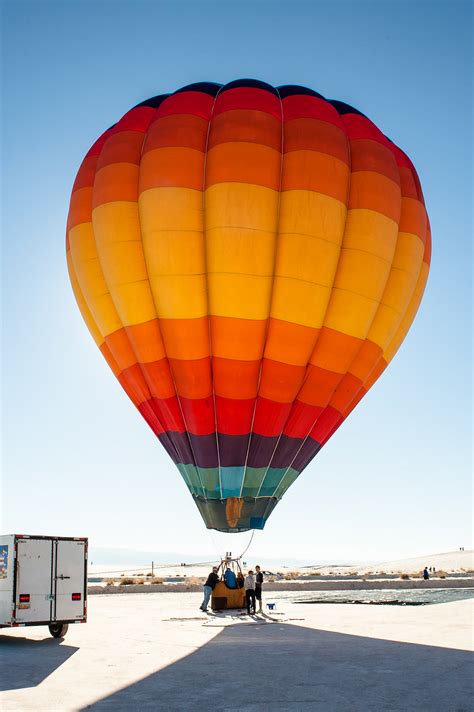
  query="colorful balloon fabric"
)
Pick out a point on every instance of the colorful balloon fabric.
point(249, 260)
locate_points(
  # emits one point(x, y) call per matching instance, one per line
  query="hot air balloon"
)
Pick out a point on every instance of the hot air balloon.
point(248, 260)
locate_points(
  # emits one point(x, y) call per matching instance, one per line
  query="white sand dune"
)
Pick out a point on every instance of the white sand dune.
point(450, 562)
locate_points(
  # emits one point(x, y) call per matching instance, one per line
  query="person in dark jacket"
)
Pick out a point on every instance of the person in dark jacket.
point(426, 574)
point(208, 588)
point(258, 587)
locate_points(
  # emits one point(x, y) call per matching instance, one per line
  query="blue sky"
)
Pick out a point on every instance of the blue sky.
point(77, 457)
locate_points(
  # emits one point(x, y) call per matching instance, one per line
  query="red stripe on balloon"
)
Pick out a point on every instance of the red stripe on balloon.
point(302, 419)
point(234, 417)
point(301, 106)
point(270, 417)
point(248, 98)
point(187, 102)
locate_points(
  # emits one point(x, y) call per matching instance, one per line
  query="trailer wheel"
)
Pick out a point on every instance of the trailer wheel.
point(58, 630)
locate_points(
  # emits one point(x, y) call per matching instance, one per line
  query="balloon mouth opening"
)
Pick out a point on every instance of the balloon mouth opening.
point(234, 515)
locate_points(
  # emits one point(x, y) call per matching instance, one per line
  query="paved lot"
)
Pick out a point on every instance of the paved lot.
point(157, 652)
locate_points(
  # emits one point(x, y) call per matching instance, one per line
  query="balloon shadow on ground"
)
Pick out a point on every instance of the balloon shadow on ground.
point(26, 663)
point(287, 667)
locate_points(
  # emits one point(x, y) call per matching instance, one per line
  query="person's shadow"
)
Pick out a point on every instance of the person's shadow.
point(26, 663)
point(283, 667)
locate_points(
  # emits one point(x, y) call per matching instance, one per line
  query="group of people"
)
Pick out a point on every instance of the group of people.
point(252, 584)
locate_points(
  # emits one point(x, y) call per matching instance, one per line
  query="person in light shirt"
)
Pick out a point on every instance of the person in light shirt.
point(249, 586)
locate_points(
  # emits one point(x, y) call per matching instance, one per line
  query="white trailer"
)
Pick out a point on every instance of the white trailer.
point(43, 581)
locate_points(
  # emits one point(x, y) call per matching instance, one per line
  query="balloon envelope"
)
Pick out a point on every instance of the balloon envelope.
point(248, 260)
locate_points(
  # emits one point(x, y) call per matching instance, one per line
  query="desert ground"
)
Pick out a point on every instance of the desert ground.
point(452, 569)
point(157, 651)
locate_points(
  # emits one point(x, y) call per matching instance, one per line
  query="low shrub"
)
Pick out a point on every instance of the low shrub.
point(156, 580)
point(110, 582)
point(193, 580)
point(441, 574)
point(140, 582)
point(127, 582)
point(405, 577)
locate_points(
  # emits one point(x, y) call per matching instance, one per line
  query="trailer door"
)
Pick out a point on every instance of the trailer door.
point(70, 580)
point(33, 598)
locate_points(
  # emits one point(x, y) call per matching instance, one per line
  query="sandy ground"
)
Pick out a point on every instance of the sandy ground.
point(454, 561)
point(158, 652)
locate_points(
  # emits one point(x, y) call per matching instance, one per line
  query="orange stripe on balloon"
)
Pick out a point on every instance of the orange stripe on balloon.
point(407, 183)
point(180, 130)
point(239, 339)
point(310, 170)
point(241, 162)
point(192, 378)
point(158, 378)
point(235, 379)
point(107, 354)
point(374, 191)
point(172, 167)
point(345, 392)
point(413, 218)
point(280, 381)
point(80, 207)
point(116, 182)
point(86, 173)
point(259, 127)
point(369, 155)
point(290, 343)
point(121, 348)
point(315, 135)
point(335, 351)
point(427, 252)
point(186, 338)
point(123, 147)
point(368, 355)
point(319, 385)
point(146, 340)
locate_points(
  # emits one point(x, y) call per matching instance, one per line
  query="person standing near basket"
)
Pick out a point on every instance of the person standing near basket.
point(249, 585)
point(258, 587)
point(208, 588)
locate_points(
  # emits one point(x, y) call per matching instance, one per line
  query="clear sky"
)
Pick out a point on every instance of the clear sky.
point(77, 458)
